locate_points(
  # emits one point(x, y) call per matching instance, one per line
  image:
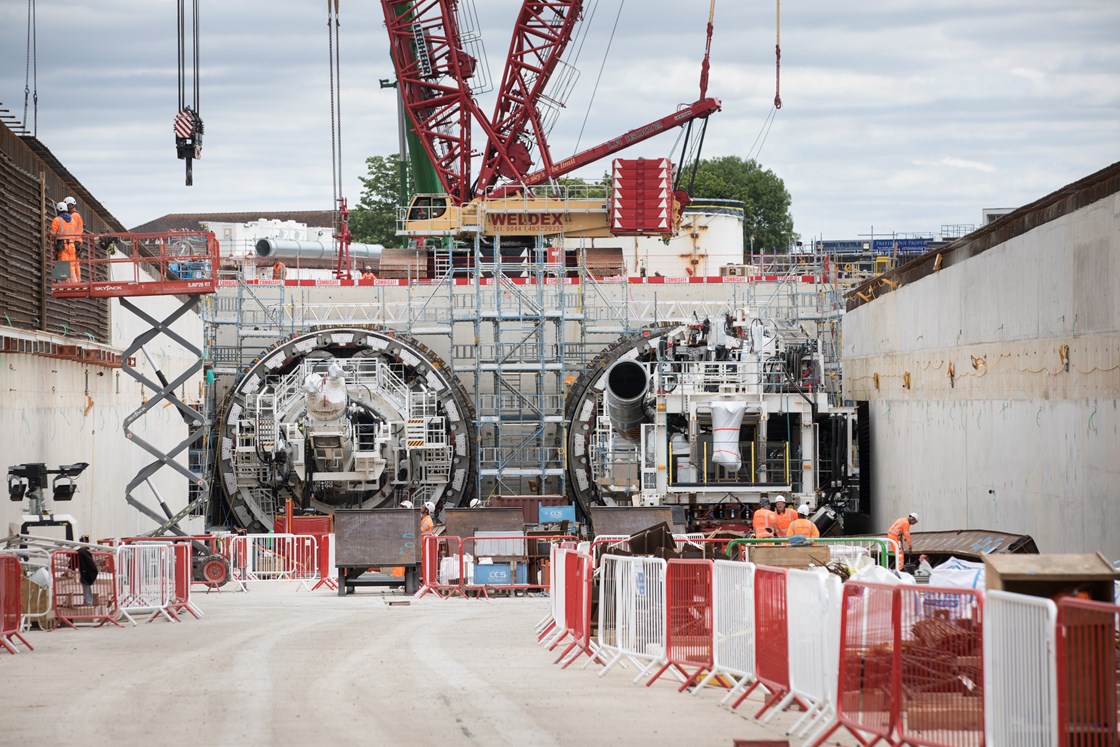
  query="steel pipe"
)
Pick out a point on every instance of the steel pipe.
point(625, 395)
point(296, 249)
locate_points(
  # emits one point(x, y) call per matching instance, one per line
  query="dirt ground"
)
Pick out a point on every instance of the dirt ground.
point(279, 665)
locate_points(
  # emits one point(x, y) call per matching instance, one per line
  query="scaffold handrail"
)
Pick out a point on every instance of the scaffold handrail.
point(115, 265)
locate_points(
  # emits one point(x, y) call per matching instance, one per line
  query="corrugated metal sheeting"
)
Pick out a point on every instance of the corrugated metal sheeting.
point(31, 182)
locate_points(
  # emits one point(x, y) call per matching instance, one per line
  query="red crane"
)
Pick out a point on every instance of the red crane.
point(434, 72)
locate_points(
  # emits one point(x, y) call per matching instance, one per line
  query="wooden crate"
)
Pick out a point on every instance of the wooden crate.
point(1051, 575)
point(783, 556)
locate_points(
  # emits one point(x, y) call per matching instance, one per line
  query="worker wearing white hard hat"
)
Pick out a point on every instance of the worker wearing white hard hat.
point(64, 233)
point(427, 523)
point(406, 504)
point(900, 533)
point(783, 517)
point(802, 526)
point(475, 502)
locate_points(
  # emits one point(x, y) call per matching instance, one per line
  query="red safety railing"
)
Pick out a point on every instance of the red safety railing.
point(939, 685)
point(689, 620)
point(323, 561)
point(181, 595)
point(869, 653)
point(11, 576)
point(1088, 662)
point(139, 264)
point(771, 615)
point(578, 572)
point(69, 593)
point(441, 566)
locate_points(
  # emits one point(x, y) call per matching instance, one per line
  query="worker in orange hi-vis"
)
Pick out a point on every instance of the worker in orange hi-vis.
point(900, 533)
point(279, 271)
point(72, 206)
point(803, 527)
point(762, 520)
point(783, 517)
point(427, 523)
point(64, 234)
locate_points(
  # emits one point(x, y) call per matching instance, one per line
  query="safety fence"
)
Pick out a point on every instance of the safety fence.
point(75, 601)
point(1088, 638)
point(904, 664)
point(273, 557)
point(145, 580)
point(11, 576)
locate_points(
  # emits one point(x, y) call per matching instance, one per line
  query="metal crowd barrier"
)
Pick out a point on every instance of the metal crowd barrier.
point(577, 608)
point(452, 566)
point(1088, 662)
point(632, 611)
point(145, 580)
point(734, 638)
point(1021, 707)
point(69, 595)
point(265, 557)
point(689, 620)
point(11, 576)
point(814, 645)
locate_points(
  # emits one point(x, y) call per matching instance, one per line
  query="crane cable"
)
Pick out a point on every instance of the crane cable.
point(31, 68)
point(599, 77)
point(778, 55)
point(333, 47)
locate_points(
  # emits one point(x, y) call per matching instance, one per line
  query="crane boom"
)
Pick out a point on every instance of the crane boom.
point(540, 37)
point(696, 110)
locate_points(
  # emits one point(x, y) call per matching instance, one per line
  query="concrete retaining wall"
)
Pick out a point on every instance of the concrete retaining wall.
point(1011, 416)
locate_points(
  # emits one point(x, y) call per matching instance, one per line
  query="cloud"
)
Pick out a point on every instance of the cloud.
point(897, 115)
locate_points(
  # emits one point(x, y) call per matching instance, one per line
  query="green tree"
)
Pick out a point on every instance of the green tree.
point(763, 192)
point(374, 219)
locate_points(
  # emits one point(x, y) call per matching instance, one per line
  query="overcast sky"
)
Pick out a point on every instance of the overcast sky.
point(898, 116)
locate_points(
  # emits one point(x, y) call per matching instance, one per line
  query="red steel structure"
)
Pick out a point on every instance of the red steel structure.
point(1088, 663)
point(11, 576)
point(690, 620)
point(540, 36)
point(434, 72)
point(143, 264)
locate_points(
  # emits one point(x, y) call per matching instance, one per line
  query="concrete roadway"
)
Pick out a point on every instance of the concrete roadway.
point(284, 666)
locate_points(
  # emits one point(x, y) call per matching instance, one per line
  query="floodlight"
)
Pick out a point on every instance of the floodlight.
point(17, 487)
point(72, 470)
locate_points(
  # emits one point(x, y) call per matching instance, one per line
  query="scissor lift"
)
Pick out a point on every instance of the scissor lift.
point(129, 265)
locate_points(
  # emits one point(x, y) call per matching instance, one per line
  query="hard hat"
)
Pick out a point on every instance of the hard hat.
point(70, 201)
point(60, 207)
point(764, 501)
point(406, 504)
point(804, 509)
point(914, 516)
point(430, 506)
point(475, 503)
point(780, 498)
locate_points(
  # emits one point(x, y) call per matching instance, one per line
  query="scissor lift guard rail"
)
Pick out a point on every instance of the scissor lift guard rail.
point(125, 265)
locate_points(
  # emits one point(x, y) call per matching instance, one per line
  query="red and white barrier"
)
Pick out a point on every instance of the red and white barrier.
point(145, 578)
point(265, 557)
point(69, 595)
point(11, 576)
point(1088, 662)
point(771, 617)
point(632, 611)
point(940, 680)
point(814, 645)
point(865, 705)
point(1021, 707)
point(577, 607)
point(689, 624)
point(733, 602)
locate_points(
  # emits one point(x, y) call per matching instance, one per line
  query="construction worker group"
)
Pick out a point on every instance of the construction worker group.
point(782, 522)
point(66, 235)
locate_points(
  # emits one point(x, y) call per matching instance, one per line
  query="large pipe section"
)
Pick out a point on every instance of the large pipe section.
point(296, 249)
point(625, 395)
